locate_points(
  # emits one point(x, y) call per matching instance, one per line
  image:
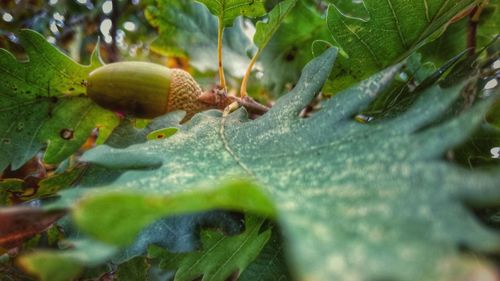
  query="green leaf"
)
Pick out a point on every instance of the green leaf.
point(393, 31)
point(40, 104)
point(228, 10)
point(265, 30)
point(134, 270)
point(355, 201)
point(183, 232)
point(221, 257)
point(96, 217)
point(289, 49)
point(270, 265)
point(51, 265)
point(188, 29)
point(454, 39)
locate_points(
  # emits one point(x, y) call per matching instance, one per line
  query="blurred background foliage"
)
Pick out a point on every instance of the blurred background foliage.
point(76, 25)
point(128, 28)
point(183, 34)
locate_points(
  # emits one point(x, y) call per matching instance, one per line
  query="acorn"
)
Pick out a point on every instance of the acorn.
point(144, 90)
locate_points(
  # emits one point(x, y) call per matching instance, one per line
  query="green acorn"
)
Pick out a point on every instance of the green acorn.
point(144, 90)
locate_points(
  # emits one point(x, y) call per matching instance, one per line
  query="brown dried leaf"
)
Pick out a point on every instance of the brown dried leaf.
point(21, 223)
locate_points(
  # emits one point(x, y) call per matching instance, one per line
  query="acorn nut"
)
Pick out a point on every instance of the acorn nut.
point(144, 90)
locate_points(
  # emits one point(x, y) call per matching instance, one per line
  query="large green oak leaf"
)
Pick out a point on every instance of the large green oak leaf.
point(355, 201)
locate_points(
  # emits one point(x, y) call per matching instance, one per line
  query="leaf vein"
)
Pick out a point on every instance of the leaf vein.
point(398, 24)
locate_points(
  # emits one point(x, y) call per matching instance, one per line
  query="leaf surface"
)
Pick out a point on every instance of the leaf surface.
point(228, 10)
point(40, 104)
point(221, 257)
point(391, 31)
point(270, 265)
point(266, 29)
point(66, 264)
point(351, 198)
point(289, 50)
point(454, 39)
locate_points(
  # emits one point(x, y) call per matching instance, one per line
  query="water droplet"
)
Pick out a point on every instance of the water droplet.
point(5, 141)
point(20, 126)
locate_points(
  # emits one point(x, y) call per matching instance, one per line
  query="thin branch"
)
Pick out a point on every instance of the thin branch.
point(219, 52)
point(250, 104)
point(471, 33)
point(474, 17)
point(244, 82)
point(218, 98)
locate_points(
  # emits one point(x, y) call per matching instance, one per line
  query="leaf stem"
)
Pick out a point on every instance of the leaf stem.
point(219, 52)
point(244, 82)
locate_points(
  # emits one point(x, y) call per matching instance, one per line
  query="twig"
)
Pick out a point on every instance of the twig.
point(218, 98)
point(219, 53)
point(243, 89)
point(474, 17)
point(250, 104)
point(471, 32)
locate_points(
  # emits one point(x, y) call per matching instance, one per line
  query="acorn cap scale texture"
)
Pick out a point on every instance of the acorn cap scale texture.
point(144, 90)
point(183, 94)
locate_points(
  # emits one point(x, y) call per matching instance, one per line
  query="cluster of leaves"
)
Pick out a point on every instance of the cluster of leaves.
point(281, 197)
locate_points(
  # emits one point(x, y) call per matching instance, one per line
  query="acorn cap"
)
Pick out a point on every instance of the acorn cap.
point(183, 93)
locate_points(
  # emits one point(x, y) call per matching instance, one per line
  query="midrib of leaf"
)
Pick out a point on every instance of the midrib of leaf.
point(426, 6)
point(211, 249)
point(222, 12)
point(228, 148)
